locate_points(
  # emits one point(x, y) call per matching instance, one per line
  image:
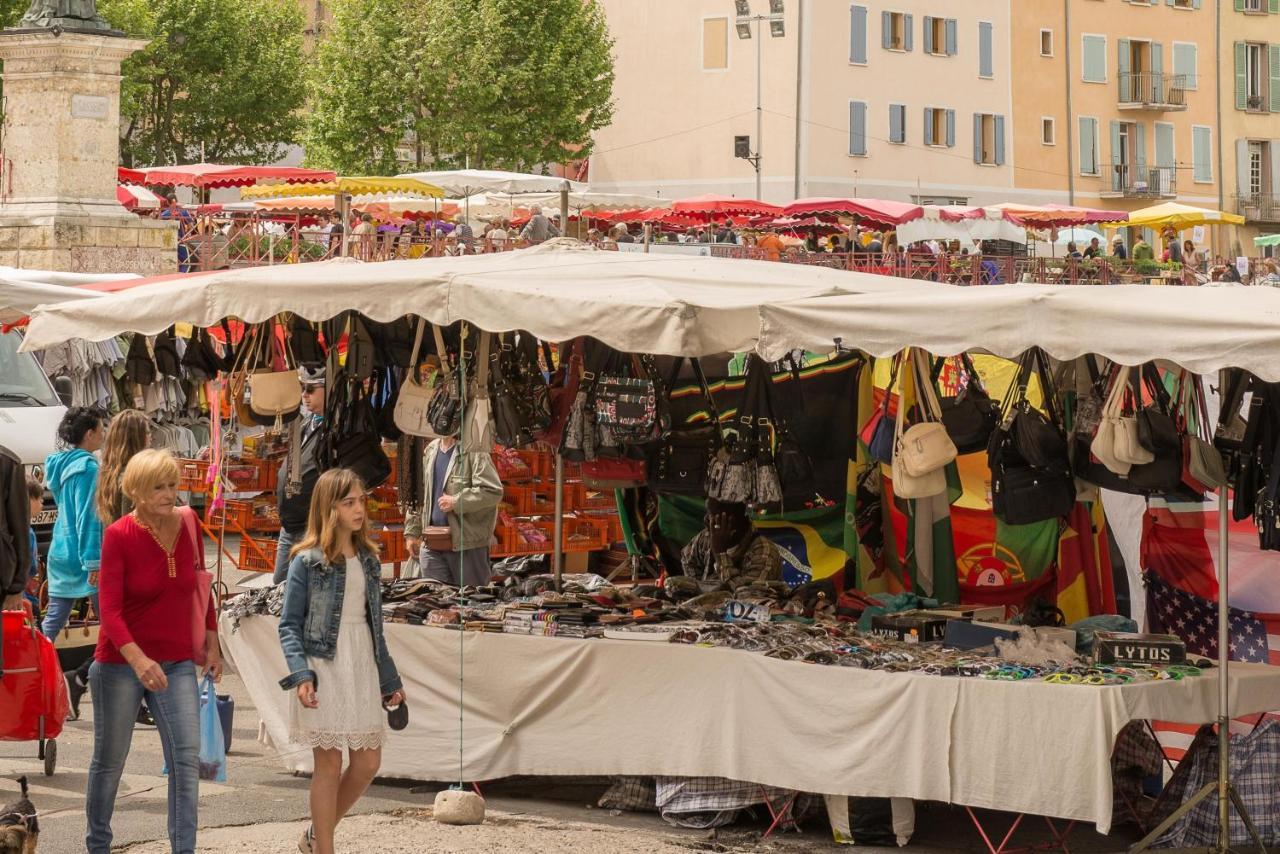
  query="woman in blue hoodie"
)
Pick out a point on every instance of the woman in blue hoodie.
point(72, 477)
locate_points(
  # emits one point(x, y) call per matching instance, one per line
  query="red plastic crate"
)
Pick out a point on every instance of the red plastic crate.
point(612, 523)
point(530, 499)
point(240, 513)
point(394, 549)
point(192, 474)
point(594, 499)
point(581, 534)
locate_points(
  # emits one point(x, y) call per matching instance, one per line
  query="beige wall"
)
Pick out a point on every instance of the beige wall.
point(1039, 92)
point(675, 122)
point(1240, 127)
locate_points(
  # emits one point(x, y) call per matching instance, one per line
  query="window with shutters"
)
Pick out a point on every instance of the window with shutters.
point(1088, 145)
point(1046, 42)
point(1186, 64)
point(897, 32)
point(1094, 59)
point(715, 44)
point(940, 36)
point(1201, 154)
point(939, 127)
point(986, 67)
point(857, 128)
point(1183, 4)
point(988, 139)
point(1257, 166)
point(1255, 75)
point(898, 123)
point(858, 35)
point(1048, 131)
point(1253, 6)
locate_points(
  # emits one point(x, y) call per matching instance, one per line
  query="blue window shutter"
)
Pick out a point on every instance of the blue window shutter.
point(985, 67)
point(1088, 146)
point(1195, 4)
point(950, 27)
point(928, 35)
point(896, 121)
point(886, 30)
point(858, 34)
point(977, 137)
point(1122, 57)
point(908, 30)
point(1095, 60)
point(1115, 143)
point(1140, 147)
point(1242, 77)
point(857, 127)
point(1273, 61)
point(1157, 57)
point(951, 128)
point(999, 132)
point(928, 126)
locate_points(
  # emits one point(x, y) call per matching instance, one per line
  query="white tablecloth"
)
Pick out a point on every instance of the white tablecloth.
point(560, 706)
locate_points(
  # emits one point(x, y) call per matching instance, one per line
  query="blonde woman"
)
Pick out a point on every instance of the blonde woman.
point(331, 633)
point(145, 649)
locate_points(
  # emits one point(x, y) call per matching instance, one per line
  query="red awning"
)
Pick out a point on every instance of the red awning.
point(132, 197)
point(214, 175)
point(712, 206)
point(126, 175)
point(1058, 216)
point(880, 211)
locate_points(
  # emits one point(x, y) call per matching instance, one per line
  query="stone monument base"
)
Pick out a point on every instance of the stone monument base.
point(89, 243)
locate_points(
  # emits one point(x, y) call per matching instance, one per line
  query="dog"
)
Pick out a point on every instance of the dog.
point(19, 824)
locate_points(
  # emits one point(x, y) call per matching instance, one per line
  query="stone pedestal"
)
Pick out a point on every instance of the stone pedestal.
point(61, 145)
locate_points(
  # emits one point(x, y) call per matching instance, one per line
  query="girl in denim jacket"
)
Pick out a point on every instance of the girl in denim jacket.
point(331, 632)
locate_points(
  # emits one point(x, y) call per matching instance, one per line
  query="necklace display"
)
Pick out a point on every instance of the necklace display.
point(168, 554)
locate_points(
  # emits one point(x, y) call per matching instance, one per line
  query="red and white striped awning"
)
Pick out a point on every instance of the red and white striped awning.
point(134, 197)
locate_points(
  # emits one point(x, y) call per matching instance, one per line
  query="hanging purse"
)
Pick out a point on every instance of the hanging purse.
point(925, 446)
point(139, 367)
point(877, 432)
point(1110, 438)
point(1156, 428)
point(444, 413)
point(579, 435)
point(477, 431)
point(1038, 436)
point(1162, 475)
point(927, 482)
point(679, 465)
point(605, 473)
point(1204, 461)
point(627, 406)
point(165, 349)
point(274, 393)
point(361, 350)
point(351, 439)
point(415, 396)
point(971, 415)
point(562, 390)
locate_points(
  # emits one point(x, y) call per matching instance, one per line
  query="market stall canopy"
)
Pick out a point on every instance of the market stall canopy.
point(468, 182)
point(636, 302)
point(1180, 216)
point(355, 185)
point(712, 206)
point(125, 175)
point(216, 175)
point(1201, 329)
point(19, 298)
point(1056, 216)
point(950, 222)
point(876, 210)
point(585, 201)
point(1267, 240)
point(398, 207)
point(133, 197)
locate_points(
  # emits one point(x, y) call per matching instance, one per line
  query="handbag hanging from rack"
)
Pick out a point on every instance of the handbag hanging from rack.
point(971, 415)
point(680, 464)
point(921, 452)
point(415, 395)
point(877, 432)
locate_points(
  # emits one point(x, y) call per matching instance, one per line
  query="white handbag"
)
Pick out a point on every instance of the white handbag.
point(1115, 443)
point(273, 393)
point(926, 446)
point(477, 414)
point(415, 397)
point(905, 484)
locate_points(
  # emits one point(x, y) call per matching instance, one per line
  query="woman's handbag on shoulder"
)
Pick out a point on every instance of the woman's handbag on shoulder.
point(203, 591)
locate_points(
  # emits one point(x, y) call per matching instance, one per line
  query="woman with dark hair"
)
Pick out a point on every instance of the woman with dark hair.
point(72, 476)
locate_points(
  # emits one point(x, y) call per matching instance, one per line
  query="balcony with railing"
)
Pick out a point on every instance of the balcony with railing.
point(1152, 90)
point(1129, 181)
point(1259, 207)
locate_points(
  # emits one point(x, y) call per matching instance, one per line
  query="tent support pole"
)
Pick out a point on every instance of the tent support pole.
point(557, 537)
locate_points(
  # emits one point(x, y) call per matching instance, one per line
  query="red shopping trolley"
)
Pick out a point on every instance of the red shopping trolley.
point(33, 692)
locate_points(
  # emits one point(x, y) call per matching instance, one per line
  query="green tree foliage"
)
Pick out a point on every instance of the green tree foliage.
point(223, 74)
point(494, 83)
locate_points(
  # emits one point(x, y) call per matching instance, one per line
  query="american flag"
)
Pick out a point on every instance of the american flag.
point(1253, 637)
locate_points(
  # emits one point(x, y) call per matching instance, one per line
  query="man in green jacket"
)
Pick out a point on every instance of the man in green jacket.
point(461, 493)
point(1142, 251)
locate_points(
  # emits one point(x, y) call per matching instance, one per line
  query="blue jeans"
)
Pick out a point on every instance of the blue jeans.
point(283, 545)
point(58, 613)
point(117, 694)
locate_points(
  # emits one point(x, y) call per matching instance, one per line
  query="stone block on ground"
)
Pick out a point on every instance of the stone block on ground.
point(454, 806)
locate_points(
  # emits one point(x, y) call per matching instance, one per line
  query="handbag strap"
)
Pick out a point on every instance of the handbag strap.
point(930, 406)
point(441, 350)
point(888, 390)
point(193, 530)
point(417, 348)
point(482, 360)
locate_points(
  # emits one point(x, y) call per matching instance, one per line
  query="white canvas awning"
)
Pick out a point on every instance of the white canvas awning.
point(466, 182)
point(1201, 329)
point(635, 302)
point(19, 298)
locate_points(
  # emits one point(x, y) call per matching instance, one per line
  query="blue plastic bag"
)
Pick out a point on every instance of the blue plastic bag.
point(213, 750)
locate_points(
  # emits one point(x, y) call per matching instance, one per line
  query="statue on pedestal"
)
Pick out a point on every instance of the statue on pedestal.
point(69, 15)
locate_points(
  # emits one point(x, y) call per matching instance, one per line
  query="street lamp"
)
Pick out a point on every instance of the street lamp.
point(777, 29)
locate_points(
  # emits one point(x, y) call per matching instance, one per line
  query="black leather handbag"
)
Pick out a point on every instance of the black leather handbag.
point(971, 416)
point(1038, 436)
point(679, 465)
point(1158, 433)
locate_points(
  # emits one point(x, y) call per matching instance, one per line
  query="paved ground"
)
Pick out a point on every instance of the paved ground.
point(263, 809)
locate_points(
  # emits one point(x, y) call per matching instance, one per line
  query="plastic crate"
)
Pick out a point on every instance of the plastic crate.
point(581, 534)
point(597, 499)
point(394, 549)
point(240, 514)
point(612, 523)
point(530, 499)
point(192, 474)
point(259, 559)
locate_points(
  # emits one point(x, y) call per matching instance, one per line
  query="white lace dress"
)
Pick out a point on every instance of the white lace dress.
point(350, 710)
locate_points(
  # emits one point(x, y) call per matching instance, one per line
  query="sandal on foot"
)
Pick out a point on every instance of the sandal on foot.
point(308, 836)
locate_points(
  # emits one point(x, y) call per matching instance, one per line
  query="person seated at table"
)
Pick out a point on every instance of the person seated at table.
point(729, 550)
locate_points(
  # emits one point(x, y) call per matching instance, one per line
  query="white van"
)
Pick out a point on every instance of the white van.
point(30, 409)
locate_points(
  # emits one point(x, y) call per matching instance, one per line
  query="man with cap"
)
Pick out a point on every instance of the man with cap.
point(300, 469)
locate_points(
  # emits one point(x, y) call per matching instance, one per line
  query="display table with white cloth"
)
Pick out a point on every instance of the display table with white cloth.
point(561, 706)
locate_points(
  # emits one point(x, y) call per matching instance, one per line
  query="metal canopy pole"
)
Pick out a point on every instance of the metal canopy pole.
point(557, 536)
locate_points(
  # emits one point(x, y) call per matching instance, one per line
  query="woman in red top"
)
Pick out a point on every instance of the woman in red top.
point(146, 648)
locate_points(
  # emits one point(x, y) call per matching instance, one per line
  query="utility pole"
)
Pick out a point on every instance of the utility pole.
point(777, 29)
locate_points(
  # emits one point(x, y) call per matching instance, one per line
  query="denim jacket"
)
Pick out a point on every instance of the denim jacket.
point(313, 611)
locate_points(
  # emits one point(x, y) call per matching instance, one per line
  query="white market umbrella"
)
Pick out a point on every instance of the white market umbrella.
point(468, 182)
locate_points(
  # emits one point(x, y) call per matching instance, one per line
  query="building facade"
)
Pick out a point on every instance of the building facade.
point(898, 99)
point(1249, 86)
